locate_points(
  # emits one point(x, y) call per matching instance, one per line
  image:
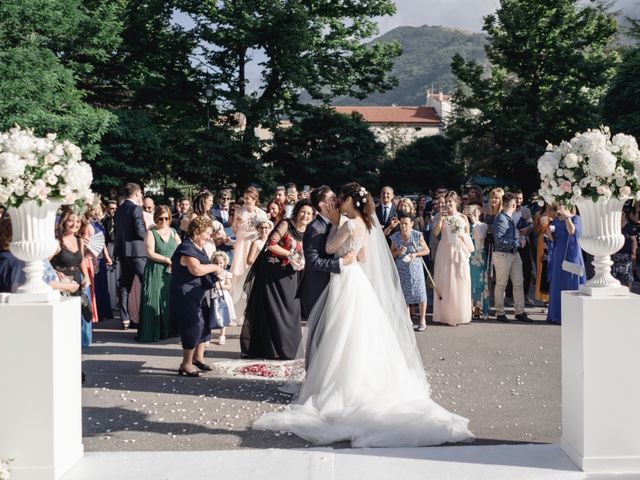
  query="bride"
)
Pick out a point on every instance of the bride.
point(365, 381)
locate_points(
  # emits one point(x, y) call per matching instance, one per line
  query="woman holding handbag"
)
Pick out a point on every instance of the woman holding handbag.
point(192, 275)
point(566, 262)
point(271, 327)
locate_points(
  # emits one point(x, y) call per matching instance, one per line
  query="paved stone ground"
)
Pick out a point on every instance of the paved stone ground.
point(504, 377)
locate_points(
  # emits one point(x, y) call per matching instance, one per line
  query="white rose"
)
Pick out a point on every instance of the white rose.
point(11, 166)
point(18, 187)
point(560, 172)
point(577, 191)
point(571, 160)
point(51, 158)
point(625, 192)
point(621, 182)
point(74, 151)
point(50, 178)
point(57, 169)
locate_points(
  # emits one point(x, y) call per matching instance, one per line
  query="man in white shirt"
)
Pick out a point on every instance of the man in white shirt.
point(523, 220)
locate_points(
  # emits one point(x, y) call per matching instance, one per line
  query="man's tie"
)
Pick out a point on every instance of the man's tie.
point(385, 216)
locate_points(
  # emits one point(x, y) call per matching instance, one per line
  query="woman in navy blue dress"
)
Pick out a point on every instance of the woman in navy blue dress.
point(566, 231)
point(192, 275)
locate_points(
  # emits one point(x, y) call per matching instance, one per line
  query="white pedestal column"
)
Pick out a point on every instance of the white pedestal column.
point(41, 393)
point(601, 382)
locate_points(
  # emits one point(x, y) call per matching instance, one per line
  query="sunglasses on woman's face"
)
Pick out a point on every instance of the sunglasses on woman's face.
point(163, 219)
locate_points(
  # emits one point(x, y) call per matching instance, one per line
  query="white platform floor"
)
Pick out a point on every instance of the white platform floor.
point(495, 462)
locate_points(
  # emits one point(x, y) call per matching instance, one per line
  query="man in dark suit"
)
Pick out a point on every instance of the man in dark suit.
point(220, 212)
point(318, 263)
point(387, 213)
point(183, 209)
point(129, 245)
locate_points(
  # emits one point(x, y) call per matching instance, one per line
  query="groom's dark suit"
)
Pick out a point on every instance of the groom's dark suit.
point(318, 264)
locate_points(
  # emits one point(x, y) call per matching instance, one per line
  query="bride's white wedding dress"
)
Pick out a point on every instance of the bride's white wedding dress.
point(365, 381)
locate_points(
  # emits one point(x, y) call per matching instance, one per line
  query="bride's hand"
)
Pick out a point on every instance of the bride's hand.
point(333, 214)
point(348, 259)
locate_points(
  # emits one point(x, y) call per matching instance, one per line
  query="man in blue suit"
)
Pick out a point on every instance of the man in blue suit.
point(319, 265)
point(129, 246)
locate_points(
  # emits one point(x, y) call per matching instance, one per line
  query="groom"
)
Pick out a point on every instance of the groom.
point(318, 263)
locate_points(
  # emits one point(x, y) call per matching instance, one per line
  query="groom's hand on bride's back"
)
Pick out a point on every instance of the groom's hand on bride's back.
point(348, 259)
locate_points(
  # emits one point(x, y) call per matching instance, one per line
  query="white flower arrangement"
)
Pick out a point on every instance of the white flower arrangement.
point(254, 221)
point(592, 165)
point(5, 469)
point(40, 169)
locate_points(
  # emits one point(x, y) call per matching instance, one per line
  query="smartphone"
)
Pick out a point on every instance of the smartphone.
point(306, 188)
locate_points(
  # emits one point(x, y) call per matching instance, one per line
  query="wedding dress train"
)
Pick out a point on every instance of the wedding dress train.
point(361, 384)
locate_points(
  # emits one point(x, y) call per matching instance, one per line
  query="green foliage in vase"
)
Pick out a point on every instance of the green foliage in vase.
point(550, 64)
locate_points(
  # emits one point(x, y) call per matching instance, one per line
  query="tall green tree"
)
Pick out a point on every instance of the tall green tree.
point(46, 48)
point(550, 64)
point(325, 147)
point(424, 164)
point(156, 93)
point(621, 106)
point(315, 46)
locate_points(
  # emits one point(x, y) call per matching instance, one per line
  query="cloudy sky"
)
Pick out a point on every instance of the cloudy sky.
point(464, 14)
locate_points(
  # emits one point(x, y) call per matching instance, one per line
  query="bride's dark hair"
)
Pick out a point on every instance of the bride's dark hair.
point(362, 201)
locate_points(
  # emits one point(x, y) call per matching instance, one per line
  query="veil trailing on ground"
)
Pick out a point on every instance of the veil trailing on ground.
point(380, 270)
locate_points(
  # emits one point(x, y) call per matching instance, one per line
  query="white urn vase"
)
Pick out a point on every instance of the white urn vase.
point(602, 237)
point(33, 242)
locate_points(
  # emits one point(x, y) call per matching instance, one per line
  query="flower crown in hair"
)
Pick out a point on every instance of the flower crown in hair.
point(363, 193)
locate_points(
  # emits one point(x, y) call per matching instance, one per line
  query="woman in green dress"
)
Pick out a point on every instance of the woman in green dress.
point(161, 242)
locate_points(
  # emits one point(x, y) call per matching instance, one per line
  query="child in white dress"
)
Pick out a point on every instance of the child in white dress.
point(223, 288)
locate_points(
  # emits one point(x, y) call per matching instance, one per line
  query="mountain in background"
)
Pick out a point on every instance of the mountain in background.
point(425, 62)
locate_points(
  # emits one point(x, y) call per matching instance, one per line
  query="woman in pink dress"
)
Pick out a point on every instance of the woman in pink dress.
point(245, 226)
point(452, 275)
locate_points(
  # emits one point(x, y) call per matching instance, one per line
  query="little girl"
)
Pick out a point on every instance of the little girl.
point(222, 288)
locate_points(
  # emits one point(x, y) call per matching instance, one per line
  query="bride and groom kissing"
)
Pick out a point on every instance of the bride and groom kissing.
point(365, 381)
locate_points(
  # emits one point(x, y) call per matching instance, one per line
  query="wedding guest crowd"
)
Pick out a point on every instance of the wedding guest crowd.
point(210, 265)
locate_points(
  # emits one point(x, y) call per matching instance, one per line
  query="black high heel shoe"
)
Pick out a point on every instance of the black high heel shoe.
point(182, 371)
point(202, 366)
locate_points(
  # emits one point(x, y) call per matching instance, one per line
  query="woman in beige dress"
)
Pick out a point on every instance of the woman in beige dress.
point(245, 226)
point(452, 275)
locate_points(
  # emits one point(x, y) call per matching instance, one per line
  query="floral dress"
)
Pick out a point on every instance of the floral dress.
point(411, 276)
point(479, 269)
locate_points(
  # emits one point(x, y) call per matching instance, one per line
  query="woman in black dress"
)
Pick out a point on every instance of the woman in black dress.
point(69, 262)
point(192, 275)
point(271, 326)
